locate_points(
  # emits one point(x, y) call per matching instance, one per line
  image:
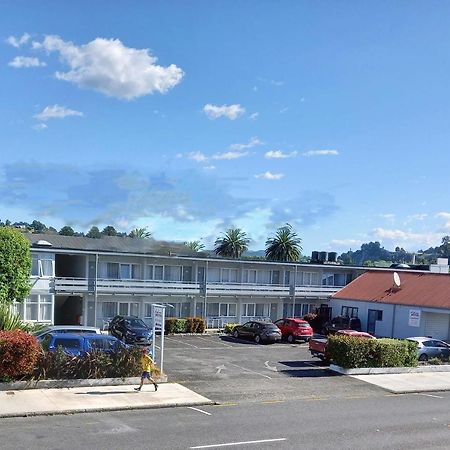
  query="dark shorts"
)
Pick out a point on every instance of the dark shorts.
point(146, 375)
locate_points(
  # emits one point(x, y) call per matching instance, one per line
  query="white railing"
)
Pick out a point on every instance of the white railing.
point(110, 286)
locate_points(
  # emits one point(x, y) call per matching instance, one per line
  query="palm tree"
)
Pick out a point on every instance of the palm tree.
point(142, 233)
point(284, 246)
point(195, 246)
point(232, 244)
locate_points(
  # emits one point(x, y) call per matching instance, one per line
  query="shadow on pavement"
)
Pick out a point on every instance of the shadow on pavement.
point(107, 393)
point(306, 369)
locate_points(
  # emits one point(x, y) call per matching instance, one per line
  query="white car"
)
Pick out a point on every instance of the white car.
point(78, 329)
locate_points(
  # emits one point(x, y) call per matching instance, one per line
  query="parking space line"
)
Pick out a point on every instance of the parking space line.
point(430, 395)
point(180, 342)
point(268, 402)
point(252, 371)
point(200, 410)
point(209, 340)
point(233, 444)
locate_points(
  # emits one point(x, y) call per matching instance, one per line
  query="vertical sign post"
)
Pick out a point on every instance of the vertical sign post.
point(158, 314)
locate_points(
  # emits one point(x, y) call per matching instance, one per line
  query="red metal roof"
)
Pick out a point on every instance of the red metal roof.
point(416, 288)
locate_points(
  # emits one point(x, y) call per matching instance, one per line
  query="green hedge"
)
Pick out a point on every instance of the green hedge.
point(187, 325)
point(354, 352)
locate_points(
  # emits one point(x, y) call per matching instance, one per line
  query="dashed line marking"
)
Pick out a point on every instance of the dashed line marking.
point(251, 371)
point(200, 410)
point(232, 444)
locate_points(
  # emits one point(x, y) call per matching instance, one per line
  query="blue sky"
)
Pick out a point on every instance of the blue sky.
point(191, 117)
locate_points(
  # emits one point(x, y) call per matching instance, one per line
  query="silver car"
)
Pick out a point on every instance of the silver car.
point(430, 348)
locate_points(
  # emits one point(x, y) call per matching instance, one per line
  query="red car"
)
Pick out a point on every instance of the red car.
point(295, 329)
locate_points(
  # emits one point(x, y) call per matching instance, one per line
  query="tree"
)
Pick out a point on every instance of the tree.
point(15, 265)
point(284, 246)
point(94, 233)
point(233, 243)
point(38, 227)
point(444, 249)
point(142, 233)
point(109, 231)
point(66, 231)
point(195, 246)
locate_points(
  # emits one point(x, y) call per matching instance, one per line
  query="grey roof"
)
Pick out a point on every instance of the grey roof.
point(113, 244)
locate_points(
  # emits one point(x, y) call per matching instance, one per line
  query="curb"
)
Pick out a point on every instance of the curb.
point(63, 384)
point(97, 410)
point(443, 368)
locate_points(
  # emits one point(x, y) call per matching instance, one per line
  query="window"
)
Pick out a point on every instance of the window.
point(349, 311)
point(134, 309)
point(31, 307)
point(309, 279)
point(227, 309)
point(67, 343)
point(45, 308)
point(263, 276)
point(287, 278)
point(229, 275)
point(305, 309)
point(248, 309)
point(158, 272)
point(249, 276)
point(36, 308)
point(148, 310)
point(102, 344)
point(212, 309)
point(35, 266)
point(109, 309)
point(112, 271)
point(149, 272)
point(125, 271)
point(172, 273)
point(214, 275)
point(275, 277)
point(47, 268)
point(259, 310)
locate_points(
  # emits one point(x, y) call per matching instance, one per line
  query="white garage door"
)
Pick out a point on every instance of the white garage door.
point(436, 325)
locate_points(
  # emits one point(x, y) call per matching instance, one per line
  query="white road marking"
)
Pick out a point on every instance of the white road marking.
point(430, 395)
point(220, 368)
point(209, 340)
point(252, 371)
point(273, 368)
point(200, 410)
point(181, 342)
point(230, 444)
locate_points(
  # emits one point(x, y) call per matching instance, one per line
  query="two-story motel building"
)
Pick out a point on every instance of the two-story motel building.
point(88, 281)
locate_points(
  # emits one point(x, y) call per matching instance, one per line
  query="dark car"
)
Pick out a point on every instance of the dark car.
point(131, 330)
point(80, 344)
point(343, 323)
point(258, 331)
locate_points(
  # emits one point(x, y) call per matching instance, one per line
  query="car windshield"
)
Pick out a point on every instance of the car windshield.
point(135, 323)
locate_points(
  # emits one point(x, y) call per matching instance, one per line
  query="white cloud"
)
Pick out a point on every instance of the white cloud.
point(26, 61)
point(40, 126)
point(270, 176)
point(230, 155)
point(446, 217)
point(346, 243)
point(283, 110)
point(232, 112)
point(320, 153)
point(406, 238)
point(109, 67)
point(210, 167)
point(388, 216)
point(197, 156)
point(254, 141)
point(278, 154)
point(56, 112)
point(253, 116)
point(18, 41)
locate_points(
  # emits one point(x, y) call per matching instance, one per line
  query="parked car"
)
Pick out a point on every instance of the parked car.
point(131, 330)
point(80, 344)
point(318, 345)
point(430, 348)
point(78, 329)
point(258, 331)
point(294, 329)
point(342, 323)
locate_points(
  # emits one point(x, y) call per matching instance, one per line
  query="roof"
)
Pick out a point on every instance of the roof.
point(114, 244)
point(416, 289)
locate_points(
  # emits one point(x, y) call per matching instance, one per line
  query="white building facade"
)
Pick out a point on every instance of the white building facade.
point(77, 280)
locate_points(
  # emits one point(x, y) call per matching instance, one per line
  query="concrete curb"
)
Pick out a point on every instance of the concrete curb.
point(106, 409)
point(61, 384)
point(389, 370)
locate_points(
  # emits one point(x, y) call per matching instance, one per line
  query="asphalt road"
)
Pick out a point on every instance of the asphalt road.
point(384, 422)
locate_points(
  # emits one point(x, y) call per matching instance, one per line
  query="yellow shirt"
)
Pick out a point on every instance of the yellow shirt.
point(146, 363)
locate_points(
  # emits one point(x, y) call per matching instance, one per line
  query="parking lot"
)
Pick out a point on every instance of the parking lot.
point(226, 369)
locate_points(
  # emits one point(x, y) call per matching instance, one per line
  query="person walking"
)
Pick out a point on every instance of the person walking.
point(147, 364)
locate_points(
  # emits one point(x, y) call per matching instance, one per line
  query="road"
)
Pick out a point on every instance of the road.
point(270, 397)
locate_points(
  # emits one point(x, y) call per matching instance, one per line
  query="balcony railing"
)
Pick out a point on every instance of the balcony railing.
point(109, 286)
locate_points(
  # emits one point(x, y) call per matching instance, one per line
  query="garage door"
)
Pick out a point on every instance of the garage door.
point(436, 325)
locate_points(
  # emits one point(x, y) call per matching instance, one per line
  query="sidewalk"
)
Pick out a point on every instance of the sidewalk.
point(402, 383)
point(98, 398)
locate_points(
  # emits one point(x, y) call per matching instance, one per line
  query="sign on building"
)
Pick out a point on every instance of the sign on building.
point(414, 318)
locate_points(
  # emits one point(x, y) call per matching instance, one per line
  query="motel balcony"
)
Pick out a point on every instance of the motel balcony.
point(65, 285)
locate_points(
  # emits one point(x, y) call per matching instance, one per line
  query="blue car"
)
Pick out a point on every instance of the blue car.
point(80, 344)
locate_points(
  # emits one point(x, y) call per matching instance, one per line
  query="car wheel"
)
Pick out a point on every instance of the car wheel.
point(423, 357)
point(291, 338)
point(236, 334)
point(258, 339)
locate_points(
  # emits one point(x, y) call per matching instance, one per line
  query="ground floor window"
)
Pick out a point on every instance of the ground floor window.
point(227, 309)
point(111, 309)
point(300, 310)
point(253, 310)
point(36, 308)
point(350, 311)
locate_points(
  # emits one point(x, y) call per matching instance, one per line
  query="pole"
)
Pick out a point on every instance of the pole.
point(162, 339)
point(95, 290)
point(153, 333)
point(293, 293)
point(204, 300)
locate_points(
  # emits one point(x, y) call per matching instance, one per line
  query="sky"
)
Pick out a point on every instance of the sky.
point(189, 118)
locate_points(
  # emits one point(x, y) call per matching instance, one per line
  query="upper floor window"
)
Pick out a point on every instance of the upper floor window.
point(229, 276)
point(130, 271)
point(42, 267)
point(172, 273)
point(249, 276)
point(308, 278)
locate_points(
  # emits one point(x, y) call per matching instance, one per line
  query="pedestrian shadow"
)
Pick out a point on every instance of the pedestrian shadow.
point(104, 393)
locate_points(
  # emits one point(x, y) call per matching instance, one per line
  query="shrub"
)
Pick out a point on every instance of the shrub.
point(315, 321)
point(59, 365)
point(191, 325)
point(19, 352)
point(169, 325)
point(201, 325)
point(180, 326)
point(229, 327)
point(354, 352)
